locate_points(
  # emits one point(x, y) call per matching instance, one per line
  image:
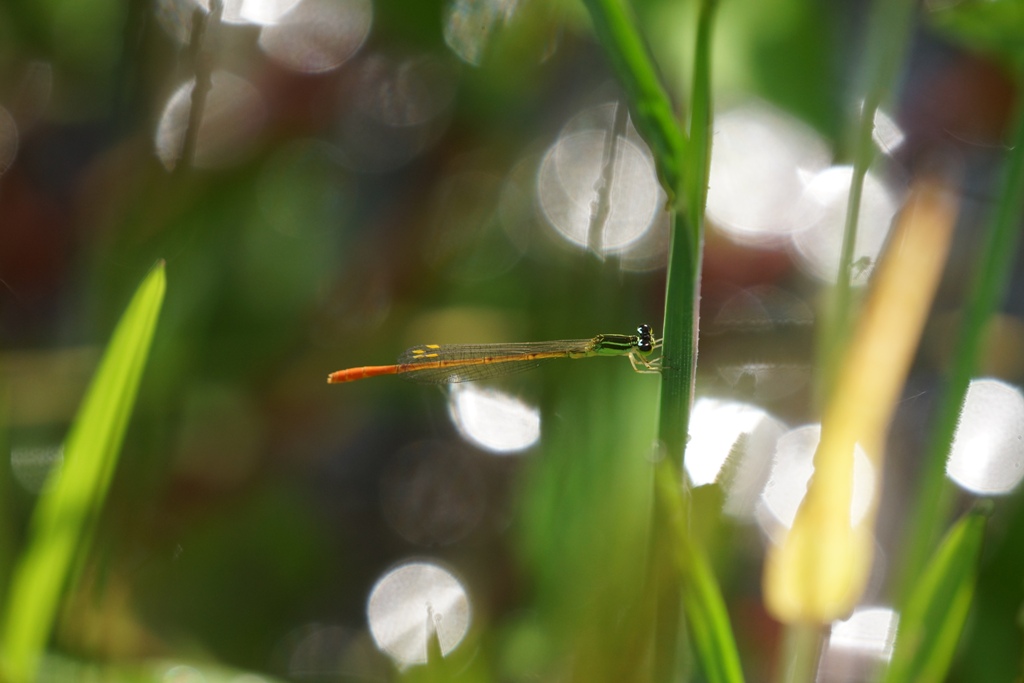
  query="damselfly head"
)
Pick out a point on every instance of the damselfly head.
point(645, 343)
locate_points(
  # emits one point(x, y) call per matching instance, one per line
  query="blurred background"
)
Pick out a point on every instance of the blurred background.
point(333, 181)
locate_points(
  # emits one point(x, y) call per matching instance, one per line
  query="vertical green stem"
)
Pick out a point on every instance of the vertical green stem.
point(801, 649)
point(680, 574)
point(679, 371)
point(991, 277)
point(203, 24)
point(649, 103)
point(679, 353)
point(679, 361)
point(682, 289)
point(886, 41)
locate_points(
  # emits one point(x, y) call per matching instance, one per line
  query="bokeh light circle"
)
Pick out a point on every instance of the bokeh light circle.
point(823, 210)
point(792, 467)
point(492, 419)
point(411, 605)
point(987, 456)
point(858, 644)
point(433, 493)
point(567, 186)
point(36, 466)
point(232, 116)
point(318, 35)
point(760, 162)
point(732, 443)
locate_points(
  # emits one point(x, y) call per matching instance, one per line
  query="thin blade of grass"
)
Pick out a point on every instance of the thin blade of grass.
point(991, 278)
point(683, 170)
point(934, 617)
point(652, 109)
point(706, 615)
point(697, 161)
point(702, 600)
point(889, 35)
point(71, 501)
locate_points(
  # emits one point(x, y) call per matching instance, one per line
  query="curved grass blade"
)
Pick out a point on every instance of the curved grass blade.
point(931, 624)
point(72, 500)
point(990, 284)
point(650, 105)
point(702, 600)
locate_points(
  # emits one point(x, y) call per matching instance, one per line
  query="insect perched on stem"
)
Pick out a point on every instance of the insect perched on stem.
point(446, 363)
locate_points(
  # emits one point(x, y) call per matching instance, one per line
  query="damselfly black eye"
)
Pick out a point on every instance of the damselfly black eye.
point(645, 343)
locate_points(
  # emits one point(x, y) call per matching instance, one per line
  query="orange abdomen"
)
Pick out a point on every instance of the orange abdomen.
point(352, 374)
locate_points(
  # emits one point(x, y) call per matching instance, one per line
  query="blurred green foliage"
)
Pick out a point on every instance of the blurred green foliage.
point(993, 27)
point(65, 518)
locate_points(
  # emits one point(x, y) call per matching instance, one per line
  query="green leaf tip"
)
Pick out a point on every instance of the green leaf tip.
point(934, 617)
point(66, 514)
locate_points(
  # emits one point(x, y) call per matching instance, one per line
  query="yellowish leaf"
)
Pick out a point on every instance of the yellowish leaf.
point(818, 571)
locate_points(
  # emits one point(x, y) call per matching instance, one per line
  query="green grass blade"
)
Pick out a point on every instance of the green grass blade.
point(889, 35)
point(990, 26)
point(697, 161)
point(72, 501)
point(702, 600)
point(934, 617)
point(679, 353)
point(683, 169)
point(652, 110)
point(708, 620)
point(706, 614)
point(991, 278)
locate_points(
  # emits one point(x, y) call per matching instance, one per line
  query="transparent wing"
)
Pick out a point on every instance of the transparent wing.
point(445, 363)
point(469, 373)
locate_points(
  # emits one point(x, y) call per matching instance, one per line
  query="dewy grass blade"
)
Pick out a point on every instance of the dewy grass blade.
point(71, 502)
point(934, 617)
